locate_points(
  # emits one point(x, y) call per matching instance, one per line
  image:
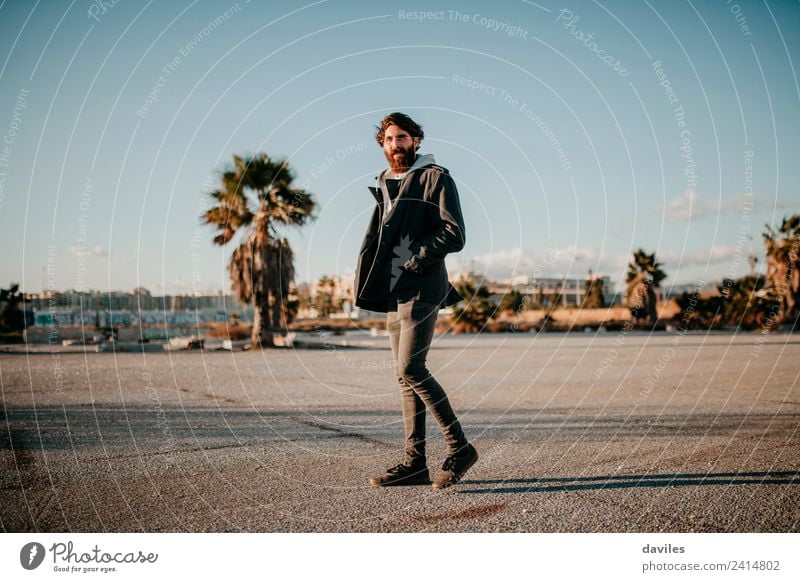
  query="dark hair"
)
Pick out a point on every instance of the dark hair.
point(402, 121)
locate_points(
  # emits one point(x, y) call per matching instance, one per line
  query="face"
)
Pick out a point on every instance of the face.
point(399, 148)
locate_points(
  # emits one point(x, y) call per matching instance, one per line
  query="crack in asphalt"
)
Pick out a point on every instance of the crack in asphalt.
point(341, 433)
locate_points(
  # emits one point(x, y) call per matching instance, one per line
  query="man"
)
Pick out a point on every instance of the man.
point(416, 222)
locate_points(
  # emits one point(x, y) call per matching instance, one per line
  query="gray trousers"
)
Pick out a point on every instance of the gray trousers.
point(410, 333)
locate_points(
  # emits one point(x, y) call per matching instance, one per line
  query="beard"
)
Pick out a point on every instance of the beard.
point(402, 161)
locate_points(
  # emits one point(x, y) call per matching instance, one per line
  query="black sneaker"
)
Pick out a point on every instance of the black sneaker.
point(454, 468)
point(402, 475)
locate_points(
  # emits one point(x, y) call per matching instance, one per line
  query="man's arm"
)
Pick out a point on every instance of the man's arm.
point(449, 237)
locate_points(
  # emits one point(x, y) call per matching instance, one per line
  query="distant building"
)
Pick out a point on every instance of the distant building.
point(120, 308)
point(568, 291)
point(330, 297)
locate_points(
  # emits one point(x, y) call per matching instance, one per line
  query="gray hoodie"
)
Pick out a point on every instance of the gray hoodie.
point(421, 161)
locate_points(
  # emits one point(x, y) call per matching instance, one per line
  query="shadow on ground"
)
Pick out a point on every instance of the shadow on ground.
point(543, 484)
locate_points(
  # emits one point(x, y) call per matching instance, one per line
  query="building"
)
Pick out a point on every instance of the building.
point(543, 291)
point(120, 308)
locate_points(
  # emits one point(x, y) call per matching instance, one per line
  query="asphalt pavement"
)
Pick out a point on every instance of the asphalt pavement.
point(595, 432)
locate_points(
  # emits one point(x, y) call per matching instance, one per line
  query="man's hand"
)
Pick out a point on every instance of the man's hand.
point(413, 266)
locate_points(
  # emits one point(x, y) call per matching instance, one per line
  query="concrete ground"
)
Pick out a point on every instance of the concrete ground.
point(611, 432)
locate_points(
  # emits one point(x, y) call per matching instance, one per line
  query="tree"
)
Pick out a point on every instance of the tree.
point(474, 311)
point(255, 200)
point(292, 304)
point(742, 303)
point(11, 317)
point(783, 267)
point(697, 312)
point(643, 278)
point(325, 299)
point(746, 303)
point(512, 301)
point(594, 293)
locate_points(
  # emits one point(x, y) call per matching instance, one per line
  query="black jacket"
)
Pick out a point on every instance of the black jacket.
point(402, 255)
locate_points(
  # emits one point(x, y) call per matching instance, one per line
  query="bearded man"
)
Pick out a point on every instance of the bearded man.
point(417, 221)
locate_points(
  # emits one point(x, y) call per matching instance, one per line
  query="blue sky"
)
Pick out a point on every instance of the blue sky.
point(576, 131)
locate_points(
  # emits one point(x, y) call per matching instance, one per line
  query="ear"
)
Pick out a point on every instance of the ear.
point(416, 143)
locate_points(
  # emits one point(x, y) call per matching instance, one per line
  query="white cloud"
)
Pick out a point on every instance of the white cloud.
point(691, 206)
point(714, 254)
point(574, 260)
point(686, 207)
point(95, 251)
point(740, 203)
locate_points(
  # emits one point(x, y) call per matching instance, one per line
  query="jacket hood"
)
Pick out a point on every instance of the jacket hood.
point(420, 162)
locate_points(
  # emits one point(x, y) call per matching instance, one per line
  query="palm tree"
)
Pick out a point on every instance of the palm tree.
point(746, 303)
point(512, 302)
point(783, 266)
point(476, 311)
point(697, 312)
point(325, 300)
point(594, 293)
point(255, 200)
point(643, 278)
point(12, 319)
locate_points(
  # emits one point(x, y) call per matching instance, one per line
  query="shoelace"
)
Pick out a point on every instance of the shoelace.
point(449, 463)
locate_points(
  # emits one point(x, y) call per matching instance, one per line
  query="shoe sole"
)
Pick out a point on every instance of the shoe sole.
point(458, 477)
point(399, 482)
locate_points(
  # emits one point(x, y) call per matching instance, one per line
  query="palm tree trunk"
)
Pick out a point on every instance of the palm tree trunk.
point(276, 311)
point(652, 312)
point(255, 334)
point(262, 325)
point(261, 336)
